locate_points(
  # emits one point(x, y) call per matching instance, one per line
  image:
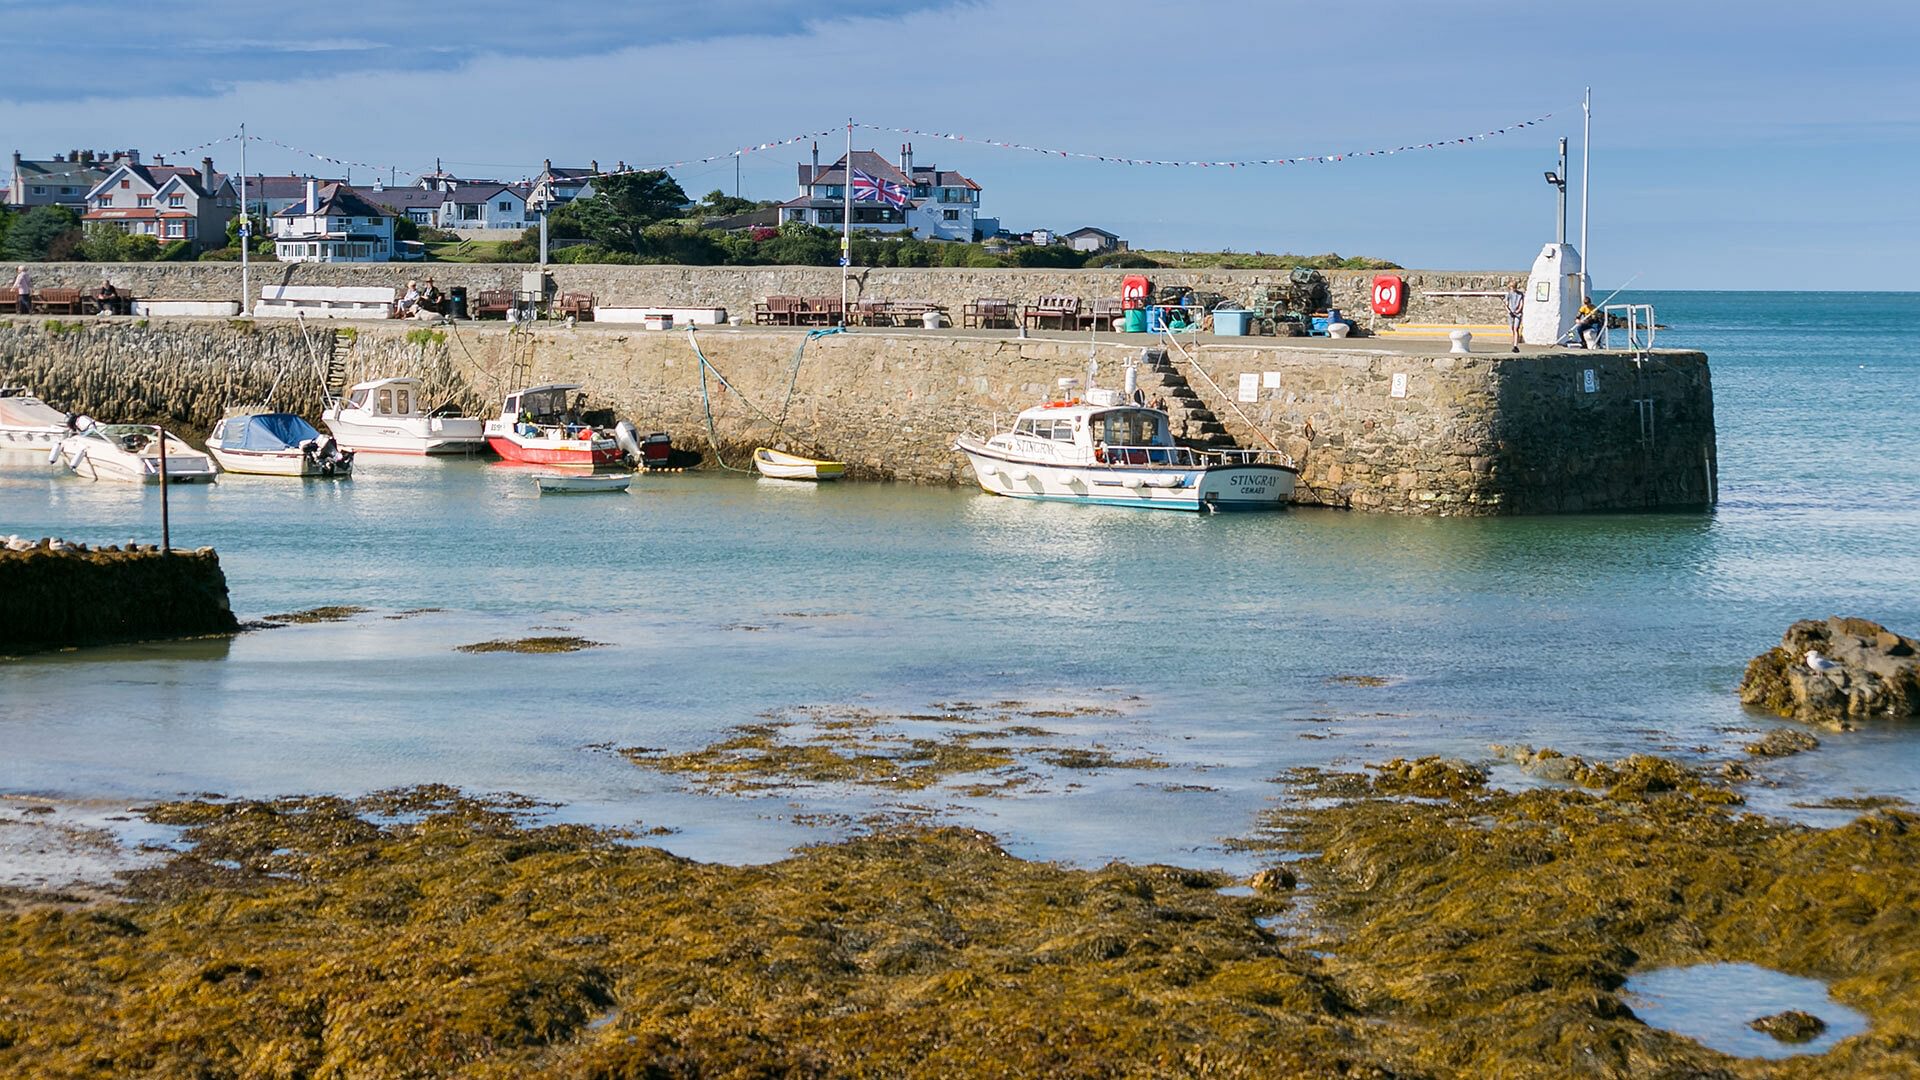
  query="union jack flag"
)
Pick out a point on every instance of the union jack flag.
point(872, 189)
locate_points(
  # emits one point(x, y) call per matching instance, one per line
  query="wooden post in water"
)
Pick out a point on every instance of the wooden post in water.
point(166, 533)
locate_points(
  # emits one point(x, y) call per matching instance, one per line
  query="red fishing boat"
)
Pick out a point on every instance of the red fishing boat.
point(540, 425)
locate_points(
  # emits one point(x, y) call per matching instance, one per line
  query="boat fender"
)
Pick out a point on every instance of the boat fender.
point(1017, 475)
point(1133, 482)
point(1100, 454)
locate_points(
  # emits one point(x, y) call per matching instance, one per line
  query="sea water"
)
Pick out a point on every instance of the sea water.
point(1219, 640)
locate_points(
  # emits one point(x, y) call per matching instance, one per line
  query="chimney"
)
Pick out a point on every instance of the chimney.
point(593, 167)
point(206, 172)
point(159, 159)
point(815, 174)
point(313, 195)
point(906, 161)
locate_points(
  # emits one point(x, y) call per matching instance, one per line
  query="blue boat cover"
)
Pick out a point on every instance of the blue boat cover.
point(266, 432)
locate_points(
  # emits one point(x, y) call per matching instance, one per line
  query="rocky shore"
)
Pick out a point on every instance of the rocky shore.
point(1836, 672)
point(57, 595)
point(1437, 927)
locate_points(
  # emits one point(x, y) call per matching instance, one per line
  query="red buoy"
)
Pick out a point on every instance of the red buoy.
point(1389, 294)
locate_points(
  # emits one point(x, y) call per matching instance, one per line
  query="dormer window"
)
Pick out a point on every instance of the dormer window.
point(177, 201)
point(145, 200)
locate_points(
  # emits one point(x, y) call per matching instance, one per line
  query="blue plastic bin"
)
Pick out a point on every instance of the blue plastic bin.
point(1231, 322)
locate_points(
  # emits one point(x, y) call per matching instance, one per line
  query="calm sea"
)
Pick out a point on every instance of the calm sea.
point(723, 597)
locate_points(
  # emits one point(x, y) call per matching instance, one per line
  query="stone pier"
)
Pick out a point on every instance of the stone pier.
point(1394, 426)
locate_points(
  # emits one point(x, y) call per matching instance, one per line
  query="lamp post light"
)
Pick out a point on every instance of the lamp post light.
point(1558, 178)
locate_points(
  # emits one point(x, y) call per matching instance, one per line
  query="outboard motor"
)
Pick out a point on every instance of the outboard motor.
point(657, 450)
point(628, 438)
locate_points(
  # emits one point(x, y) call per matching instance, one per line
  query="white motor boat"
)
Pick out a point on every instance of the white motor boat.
point(276, 444)
point(29, 425)
point(387, 416)
point(1104, 450)
point(783, 466)
point(131, 453)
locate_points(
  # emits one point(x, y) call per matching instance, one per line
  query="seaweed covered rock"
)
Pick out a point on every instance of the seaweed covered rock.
point(55, 597)
point(1792, 1026)
point(1836, 672)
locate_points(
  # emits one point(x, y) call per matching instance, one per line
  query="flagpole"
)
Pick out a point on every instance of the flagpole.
point(1586, 156)
point(846, 225)
point(246, 222)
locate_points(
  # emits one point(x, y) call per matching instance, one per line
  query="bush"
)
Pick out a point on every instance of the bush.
point(1125, 260)
point(177, 251)
point(44, 232)
point(141, 248)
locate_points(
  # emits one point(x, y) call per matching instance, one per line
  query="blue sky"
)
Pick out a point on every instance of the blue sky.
point(1766, 145)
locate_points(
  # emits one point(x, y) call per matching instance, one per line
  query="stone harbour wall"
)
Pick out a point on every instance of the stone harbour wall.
point(737, 288)
point(1382, 430)
point(1372, 428)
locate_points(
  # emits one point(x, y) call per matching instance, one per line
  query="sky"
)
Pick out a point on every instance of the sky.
point(1761, 145)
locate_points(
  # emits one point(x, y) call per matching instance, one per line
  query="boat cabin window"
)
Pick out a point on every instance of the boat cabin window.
point(1132, 427)
point(512, 407)
point(359, 398)
point(404, 399)
point(1057, 430)
point(386, 401)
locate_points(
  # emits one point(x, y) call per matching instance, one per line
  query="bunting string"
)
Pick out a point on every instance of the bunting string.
point(1308, 159)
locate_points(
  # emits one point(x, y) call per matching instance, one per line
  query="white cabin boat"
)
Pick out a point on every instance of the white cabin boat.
point(1103, 450)
point(29, 425)
point(130, 453)
point(264, 443)
point(783, 466)
point(388, 416)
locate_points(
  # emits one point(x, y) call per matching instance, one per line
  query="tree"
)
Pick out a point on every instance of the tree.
point(405, 228)
point(719, 204)
point(41, 233)
point(624, 204)
point(103, 243)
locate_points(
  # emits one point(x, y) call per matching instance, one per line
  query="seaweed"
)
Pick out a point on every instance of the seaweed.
point(549, 644)
point(327, 613)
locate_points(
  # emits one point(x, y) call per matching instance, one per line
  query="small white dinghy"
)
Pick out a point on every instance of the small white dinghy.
point(782, 466)
point(581, 484)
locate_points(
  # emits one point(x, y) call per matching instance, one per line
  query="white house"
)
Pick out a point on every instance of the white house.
point(939, 204)
point(568, 183)
point(333, 223)
point(418, 205)
point(487, 206)
point(166, 202)
point(1093, 240)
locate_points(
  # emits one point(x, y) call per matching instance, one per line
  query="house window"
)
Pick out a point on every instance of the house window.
point(950, 215)
point(66, 191)
point(177, 201)
point(175, 229)
point(39, 190)
point(104, 200)
point(506, 207)
point(144, 200)
point(125, 185)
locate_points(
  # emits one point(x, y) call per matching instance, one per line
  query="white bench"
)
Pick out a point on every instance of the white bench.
point(681, 316)
point(325, 301)
point(162, 309)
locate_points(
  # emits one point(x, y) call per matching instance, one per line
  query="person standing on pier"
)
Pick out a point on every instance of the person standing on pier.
point(23, 292)
point(1516, 307)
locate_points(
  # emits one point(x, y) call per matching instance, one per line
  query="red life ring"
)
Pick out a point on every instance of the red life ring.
point(1389, 294)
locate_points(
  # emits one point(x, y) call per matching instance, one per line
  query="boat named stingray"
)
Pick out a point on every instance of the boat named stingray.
point(1102, 449)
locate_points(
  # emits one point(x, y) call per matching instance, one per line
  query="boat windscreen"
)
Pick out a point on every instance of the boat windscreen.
point(1133, 427)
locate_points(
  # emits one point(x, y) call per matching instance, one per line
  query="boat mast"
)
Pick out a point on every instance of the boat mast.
point(1586, 157)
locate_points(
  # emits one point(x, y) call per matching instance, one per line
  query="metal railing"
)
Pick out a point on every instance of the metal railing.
point(1639, 326)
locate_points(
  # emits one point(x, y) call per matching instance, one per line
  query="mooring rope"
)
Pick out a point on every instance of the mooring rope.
point(706, 396)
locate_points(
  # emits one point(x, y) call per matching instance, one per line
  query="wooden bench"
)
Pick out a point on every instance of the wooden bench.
point(821, 311)
point(1064, 311)
point(776, 311)
point(579, 305)
point(61, 301)
point(1105, 310)
point(491, 302)
point(988, 313)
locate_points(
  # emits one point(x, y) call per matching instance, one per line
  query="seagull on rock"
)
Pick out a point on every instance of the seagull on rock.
point(1819, 663)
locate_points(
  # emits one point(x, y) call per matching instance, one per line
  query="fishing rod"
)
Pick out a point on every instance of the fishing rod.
point(1602, 305)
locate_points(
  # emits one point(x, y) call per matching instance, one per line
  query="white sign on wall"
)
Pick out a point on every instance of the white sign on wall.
point(1589, 381)
point(1250, 386)
point(1399, 384)
point(1270, 380)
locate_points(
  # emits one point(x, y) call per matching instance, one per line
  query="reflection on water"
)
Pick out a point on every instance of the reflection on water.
point(721, 597)
point(1714, 1005)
